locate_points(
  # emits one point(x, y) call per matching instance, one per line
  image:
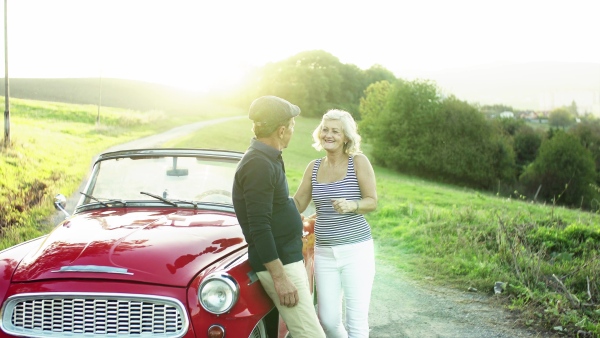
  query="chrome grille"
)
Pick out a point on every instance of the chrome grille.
point(93, 315)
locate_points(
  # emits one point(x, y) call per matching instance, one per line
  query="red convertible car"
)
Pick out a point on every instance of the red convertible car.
point(152, 249)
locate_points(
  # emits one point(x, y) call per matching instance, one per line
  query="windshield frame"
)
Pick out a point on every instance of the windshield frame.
point(87, 203)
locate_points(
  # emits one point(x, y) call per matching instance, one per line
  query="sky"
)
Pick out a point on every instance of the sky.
point(201, 44)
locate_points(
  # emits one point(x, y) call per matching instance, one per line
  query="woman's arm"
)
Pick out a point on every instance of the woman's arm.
point(303, 195)
point(367, 184)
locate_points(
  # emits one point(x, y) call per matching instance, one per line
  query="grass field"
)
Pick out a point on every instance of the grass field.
point(455, 236)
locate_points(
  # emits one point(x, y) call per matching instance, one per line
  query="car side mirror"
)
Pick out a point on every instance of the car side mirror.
point(60, 202)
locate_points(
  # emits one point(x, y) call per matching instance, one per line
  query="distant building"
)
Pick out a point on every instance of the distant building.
point(507, 115)
point(529, 116)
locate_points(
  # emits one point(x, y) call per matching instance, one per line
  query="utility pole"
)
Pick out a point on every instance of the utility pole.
point(6, 91)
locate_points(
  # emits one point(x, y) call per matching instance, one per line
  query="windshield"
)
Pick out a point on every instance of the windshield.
point(196, 179)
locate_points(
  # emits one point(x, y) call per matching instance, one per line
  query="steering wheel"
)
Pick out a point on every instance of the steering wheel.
point(215, 195)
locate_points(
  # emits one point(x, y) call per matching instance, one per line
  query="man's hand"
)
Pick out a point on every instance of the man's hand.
point(286, 290)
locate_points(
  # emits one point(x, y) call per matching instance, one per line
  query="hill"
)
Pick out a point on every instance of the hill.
point(525, 86)
point(108, 92)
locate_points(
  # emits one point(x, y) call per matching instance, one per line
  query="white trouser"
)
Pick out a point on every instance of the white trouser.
point(346, 270)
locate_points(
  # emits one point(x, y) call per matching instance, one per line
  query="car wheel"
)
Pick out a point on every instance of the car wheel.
point(260, 330)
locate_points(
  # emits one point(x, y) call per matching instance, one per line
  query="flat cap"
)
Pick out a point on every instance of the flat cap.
point(272, 109)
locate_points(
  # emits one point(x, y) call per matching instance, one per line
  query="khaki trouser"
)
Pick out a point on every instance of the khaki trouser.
point(301, 320)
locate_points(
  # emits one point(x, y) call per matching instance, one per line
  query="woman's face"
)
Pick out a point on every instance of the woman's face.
point(332, 135)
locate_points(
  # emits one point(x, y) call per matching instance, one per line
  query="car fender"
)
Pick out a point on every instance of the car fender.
point(252, 305)
point(10, 259)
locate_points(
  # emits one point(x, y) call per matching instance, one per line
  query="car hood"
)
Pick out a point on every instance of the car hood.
point(154, 246)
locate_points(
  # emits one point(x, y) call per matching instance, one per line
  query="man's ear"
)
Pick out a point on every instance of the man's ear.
point(281, 131)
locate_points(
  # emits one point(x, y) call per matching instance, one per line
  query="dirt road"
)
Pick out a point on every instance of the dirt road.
point(400, 307)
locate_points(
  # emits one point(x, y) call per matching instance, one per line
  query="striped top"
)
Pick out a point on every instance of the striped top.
point(332, 228)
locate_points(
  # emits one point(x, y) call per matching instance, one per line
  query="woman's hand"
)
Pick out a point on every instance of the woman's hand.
point(343, 206)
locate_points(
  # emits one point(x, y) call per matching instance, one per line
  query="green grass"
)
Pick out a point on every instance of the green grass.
point(450, 235)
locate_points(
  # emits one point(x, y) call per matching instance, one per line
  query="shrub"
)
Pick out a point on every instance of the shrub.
point(526, 143)
point(588, 133)
point(415, 130)
point(508, 126)
point(565, 170)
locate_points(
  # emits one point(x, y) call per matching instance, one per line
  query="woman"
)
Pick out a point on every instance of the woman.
point(342, 187)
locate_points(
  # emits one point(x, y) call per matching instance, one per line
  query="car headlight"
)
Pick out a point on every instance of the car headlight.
point(218, 293)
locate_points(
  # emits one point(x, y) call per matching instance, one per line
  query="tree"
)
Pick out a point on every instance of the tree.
point(509, 126)
point(316, 81)
point(379, 73)
point(471, 152)
point(409, 111)
point(573, 109)
point(502, 159)
point(526, 143)
point(588, 133)
point(415, 130)
point(371, 108)
point(351, 90)
point(564, 169)
point(560, 117)
point(309, 79)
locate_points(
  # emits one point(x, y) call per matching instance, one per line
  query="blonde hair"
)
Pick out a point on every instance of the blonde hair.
point(349, 129)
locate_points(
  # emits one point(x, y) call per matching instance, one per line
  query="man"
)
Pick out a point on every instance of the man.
point(269, 218)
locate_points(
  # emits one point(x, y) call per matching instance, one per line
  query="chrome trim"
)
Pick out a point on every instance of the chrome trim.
point(235, 261)
point(160, 152)
point(93, 268)
point(60, 202)
point(66, 314)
